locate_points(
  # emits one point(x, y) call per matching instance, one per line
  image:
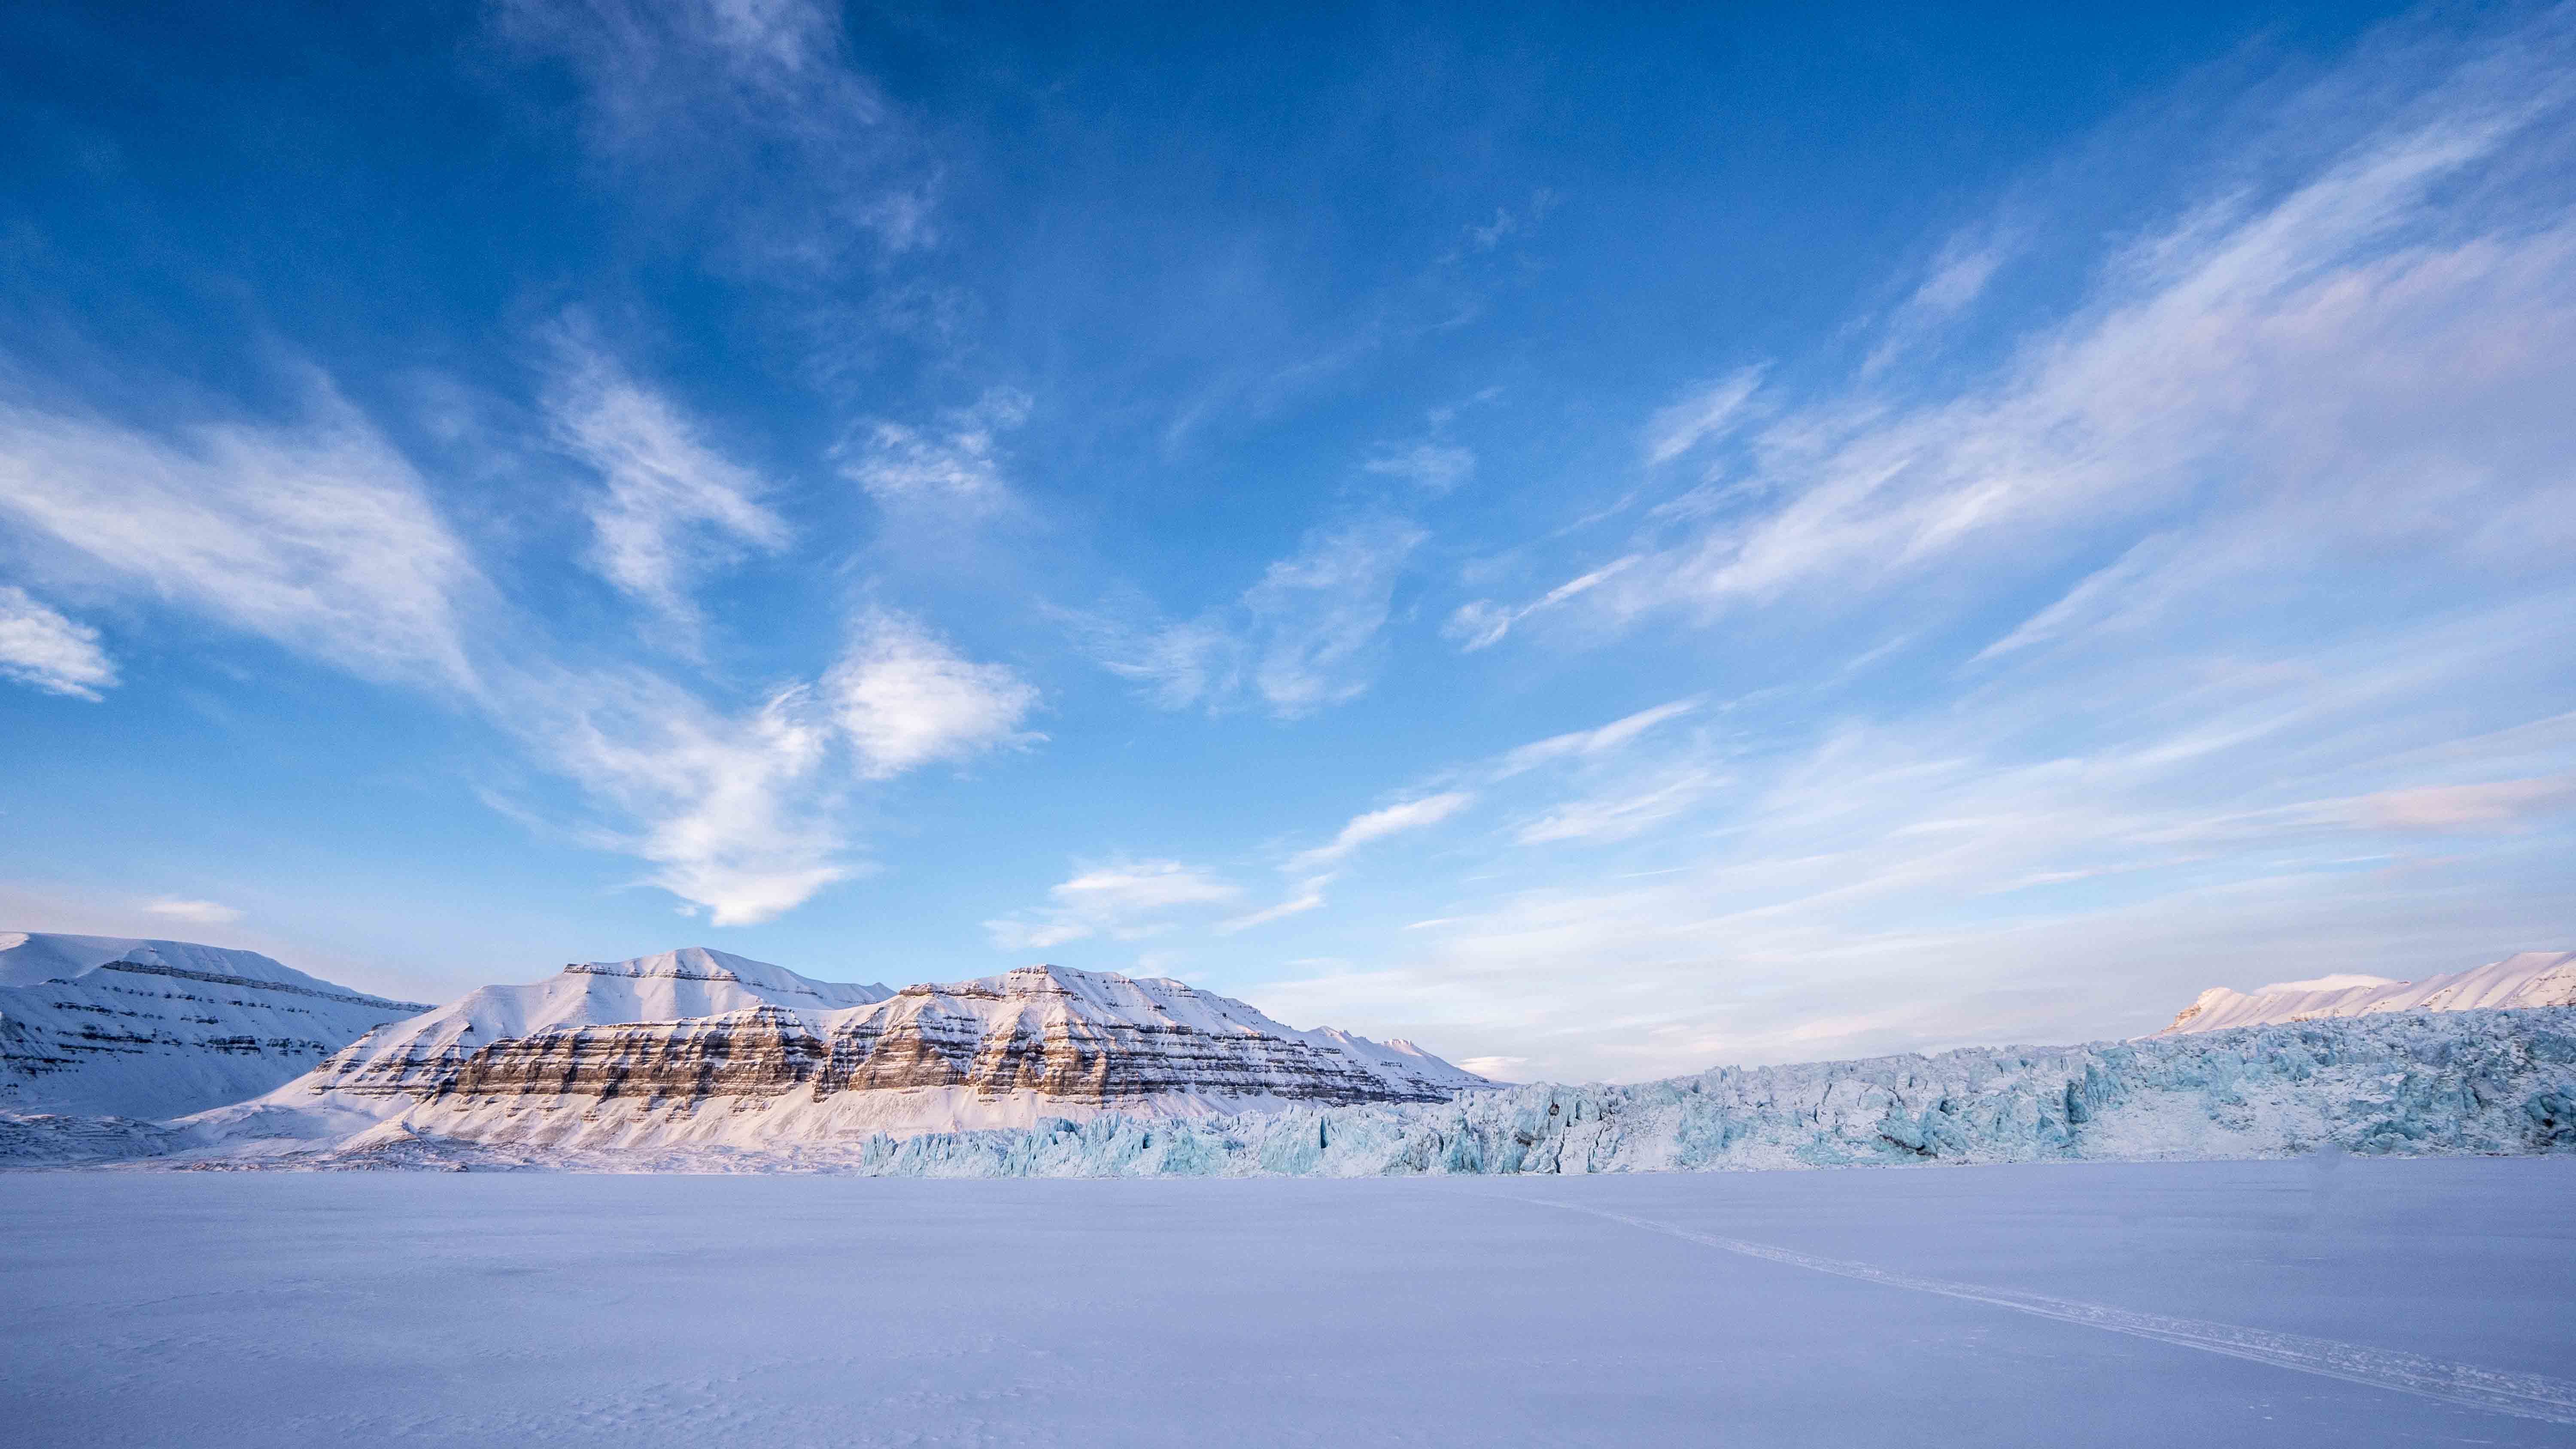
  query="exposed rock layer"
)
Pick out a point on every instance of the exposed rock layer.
point(1070, 1037)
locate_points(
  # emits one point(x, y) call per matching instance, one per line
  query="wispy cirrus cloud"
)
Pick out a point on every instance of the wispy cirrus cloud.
point(43, 650)
point(1123, 899)
point(319, 535)
point(2490, 805)
point(1374, 825)
point(2275, 336)
point(1431, 466)
point(1304, 638)
point(1706, 411)
point(701, 105)
point(671, 508)
point(1319, 867)
point(1957, 277)
point(946, 475)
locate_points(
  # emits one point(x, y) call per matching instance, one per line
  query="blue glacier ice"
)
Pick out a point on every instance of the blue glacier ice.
point(2489, 1082)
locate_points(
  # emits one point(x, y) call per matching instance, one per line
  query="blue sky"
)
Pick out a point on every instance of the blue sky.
point(1601, 543)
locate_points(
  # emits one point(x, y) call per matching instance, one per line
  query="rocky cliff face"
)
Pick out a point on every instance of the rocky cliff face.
point(109, 1026)
point(702, 1046)
point(1073, 1038)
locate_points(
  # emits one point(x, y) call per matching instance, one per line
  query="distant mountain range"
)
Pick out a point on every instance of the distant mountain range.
point(701, 1047)
point(701, 1059)
point(117, 1026)
point(2533, 978)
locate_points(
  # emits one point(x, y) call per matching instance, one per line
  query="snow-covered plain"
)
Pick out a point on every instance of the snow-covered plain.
point(261, 1309)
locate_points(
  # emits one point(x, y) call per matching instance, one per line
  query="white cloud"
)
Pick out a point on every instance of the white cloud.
point(195, 913)
point(2118, 590)
point(1482, 623)
point(1316, 616)
point(1305, 638)
point(319, 536)
point(743, 113)
point(1417, 814)
point(2498, 805)
point(905, 699)
point(1591, 743)
point(2289, 342)
point(1622, 815)
point(1507, 223)
point(950, 474)
point(742, 811)
point(1317, 867)
point(1122, 899)
point(1433, 467)
point(1708, 411)
point(1956, 278)
point(672, 508)
point(43, 650)
point(737, 811)
point(1308, 896)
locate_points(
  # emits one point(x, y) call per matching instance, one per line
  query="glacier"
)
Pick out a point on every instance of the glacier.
point(2499, 1082)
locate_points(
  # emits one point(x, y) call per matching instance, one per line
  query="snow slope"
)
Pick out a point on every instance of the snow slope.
point(2533, 978)
point(115, 1026)
point(701, 1048)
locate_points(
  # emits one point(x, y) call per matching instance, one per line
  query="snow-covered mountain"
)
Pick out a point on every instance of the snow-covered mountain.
point(698, 1046)
point(2533, 978)
point(116, 1026)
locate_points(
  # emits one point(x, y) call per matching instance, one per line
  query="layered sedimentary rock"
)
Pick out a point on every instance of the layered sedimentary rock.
point(2531, 979)
point(698, 1045)
point(111, 1026)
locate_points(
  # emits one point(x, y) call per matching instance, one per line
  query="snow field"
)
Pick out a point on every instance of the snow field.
point(238, 1309)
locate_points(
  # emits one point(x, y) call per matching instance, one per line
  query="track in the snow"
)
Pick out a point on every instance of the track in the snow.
point(2528, 1396)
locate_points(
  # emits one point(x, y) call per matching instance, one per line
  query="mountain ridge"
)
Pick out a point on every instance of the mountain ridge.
point(698, 1045)
point(146, 1028)
point(2526, 979)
